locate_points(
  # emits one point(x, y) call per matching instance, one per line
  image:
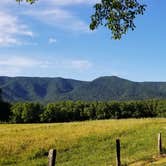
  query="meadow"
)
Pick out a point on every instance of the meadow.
point(89, 143)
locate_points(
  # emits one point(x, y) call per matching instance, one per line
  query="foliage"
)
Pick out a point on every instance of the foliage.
point(46, 90)
point(117, 15)
point(26, 112)
point(4, 109)
point(0, 94)
point(28, 1)
point(67, 111)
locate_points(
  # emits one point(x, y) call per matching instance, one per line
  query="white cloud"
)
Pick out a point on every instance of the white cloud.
point(16, 65)
point(52, 40)
point(60, 18)
point(11, 28)
point(10, 71)
point(69, 2)
point(19, 61)
point(52, 12)
point(81, 64)
point(8, 40)
point(53, 2)
point(69, 64)
point(19, 65)
point(7, 2)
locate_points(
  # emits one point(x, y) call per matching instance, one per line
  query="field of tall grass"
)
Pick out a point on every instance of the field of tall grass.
point(90, 143)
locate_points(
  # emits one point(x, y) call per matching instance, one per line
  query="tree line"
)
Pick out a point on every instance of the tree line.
point(67, 111)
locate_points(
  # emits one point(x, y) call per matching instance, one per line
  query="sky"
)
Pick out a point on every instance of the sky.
point(52, 39)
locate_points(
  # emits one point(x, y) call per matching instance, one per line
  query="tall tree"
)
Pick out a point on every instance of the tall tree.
point(4, 109)
point(0, 94)
point(116, 15)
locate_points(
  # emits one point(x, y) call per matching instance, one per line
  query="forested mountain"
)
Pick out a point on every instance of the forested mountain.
point(55, 89)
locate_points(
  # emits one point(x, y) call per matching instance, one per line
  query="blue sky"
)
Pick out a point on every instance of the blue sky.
point(51, 39)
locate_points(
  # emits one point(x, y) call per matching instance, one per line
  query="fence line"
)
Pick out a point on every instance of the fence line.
point(52, 152)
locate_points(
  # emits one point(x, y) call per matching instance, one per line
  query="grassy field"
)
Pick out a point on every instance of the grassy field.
point(89, 143)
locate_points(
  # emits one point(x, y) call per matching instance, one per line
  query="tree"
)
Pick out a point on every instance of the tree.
point(116, 15)
point(31, 112)
point(16, 110)
point(26, 112)
point(4, 109)
point(0, 94)
point(29, 1)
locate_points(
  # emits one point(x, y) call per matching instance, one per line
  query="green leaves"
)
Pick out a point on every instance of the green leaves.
point(117, 15)
point(29, 1)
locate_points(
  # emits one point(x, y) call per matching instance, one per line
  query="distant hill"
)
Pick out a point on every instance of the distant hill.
point(55, 89)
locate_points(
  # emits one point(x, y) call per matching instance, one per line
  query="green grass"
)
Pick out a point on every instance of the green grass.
point(89, 143)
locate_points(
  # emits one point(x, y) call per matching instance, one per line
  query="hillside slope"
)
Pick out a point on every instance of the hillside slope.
point(55, 89)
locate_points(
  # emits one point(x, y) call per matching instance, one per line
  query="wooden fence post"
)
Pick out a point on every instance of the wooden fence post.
point(159, 144)
point(52, 157)
point(118, 162)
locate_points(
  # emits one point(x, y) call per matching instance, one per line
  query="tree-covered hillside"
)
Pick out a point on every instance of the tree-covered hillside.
point(56, 89)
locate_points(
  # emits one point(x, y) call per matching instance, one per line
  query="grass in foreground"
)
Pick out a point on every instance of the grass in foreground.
point(82, 143)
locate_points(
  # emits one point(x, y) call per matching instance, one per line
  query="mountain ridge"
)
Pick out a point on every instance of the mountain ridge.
point(50, 89)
